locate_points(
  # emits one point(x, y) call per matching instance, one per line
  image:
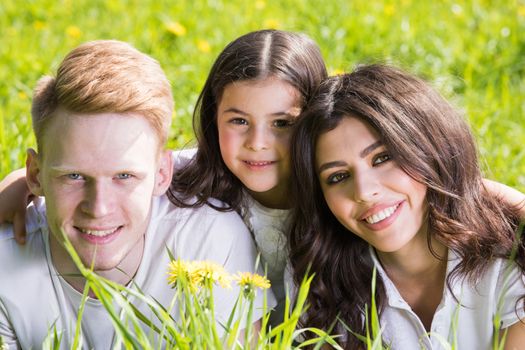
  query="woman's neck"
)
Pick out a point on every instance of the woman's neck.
point(419, 276)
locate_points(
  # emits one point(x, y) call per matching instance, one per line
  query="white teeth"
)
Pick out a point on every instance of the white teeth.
point(258, 163)
point(98, 233)
point(382, 215)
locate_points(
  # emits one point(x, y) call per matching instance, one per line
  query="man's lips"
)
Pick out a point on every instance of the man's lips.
point(98, 232)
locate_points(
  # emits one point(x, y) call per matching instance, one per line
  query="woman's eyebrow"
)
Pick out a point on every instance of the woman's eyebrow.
point(370, 148)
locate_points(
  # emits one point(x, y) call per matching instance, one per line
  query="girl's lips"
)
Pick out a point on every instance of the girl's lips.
point(258, 164)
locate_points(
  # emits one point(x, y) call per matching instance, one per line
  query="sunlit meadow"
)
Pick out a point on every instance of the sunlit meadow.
point(473, 52)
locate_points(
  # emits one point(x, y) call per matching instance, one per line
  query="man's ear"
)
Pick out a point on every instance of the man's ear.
point(33, 168)
point(164, 173)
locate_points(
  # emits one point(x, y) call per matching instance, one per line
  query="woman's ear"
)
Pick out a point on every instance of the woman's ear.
point(33, 169)
point(164, 173)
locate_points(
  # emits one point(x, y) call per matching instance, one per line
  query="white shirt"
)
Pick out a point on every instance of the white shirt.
point(33, 296)
point(479, 304)
point(269, 227)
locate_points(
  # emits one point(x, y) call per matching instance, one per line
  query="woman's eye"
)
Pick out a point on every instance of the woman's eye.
point(336, 178)
point(282, 123)
point(381, 158)
point(239, 121)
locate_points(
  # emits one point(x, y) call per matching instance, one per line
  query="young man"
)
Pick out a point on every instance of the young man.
point(100, 127)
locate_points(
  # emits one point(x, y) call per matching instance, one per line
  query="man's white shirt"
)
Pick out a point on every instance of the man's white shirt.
point(34, 298)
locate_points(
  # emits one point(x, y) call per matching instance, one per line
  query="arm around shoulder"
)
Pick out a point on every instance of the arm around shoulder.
point(507, 194)
point(515, 339)
point(7, 334)
point(14, 197)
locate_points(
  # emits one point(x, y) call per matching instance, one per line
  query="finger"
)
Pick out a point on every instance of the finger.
point(19, 227)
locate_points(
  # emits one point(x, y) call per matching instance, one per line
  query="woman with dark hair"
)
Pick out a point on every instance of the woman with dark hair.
point(386, 177)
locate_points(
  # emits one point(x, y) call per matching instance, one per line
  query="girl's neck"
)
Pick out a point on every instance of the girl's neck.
point(276, 198)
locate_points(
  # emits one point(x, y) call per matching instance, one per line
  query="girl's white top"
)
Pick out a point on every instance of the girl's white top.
point(268, 227)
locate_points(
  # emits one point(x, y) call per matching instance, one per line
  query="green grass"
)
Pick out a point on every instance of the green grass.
point(471, 50)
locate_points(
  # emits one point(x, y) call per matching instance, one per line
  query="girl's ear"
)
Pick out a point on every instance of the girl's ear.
point(33, 168)
point(164, 173)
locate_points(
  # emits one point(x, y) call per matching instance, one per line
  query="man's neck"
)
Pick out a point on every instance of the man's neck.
point(66, 267)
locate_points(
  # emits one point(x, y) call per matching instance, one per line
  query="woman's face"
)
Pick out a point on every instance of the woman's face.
point(365, 188)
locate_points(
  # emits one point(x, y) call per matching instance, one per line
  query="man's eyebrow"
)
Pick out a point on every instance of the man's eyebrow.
point(370, 148)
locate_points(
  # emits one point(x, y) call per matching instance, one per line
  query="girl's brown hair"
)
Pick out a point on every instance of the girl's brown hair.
point(292, 57)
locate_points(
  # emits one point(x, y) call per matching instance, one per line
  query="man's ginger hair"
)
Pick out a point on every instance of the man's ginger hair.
point(105, 76)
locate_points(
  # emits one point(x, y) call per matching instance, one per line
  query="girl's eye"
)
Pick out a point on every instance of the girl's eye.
point(282, 123)
point(336, 178)
point(239, 121)
point(124, 176)
point(381, 158)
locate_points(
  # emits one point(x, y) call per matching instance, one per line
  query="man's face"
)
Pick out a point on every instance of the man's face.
point(98, 174)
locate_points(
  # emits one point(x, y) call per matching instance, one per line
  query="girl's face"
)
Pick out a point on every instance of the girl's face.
point(365, 188)
point(255, 120)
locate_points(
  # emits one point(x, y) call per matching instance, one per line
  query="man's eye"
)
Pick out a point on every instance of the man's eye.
point(282, 123)
point(74, 176)
point(381, 158)
point(124, 176)
point(336, 178)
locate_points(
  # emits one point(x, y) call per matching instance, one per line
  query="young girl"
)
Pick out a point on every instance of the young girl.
point(243, 121)
point(386, 177)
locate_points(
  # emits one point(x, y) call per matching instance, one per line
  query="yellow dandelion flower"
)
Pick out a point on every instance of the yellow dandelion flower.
point(249, 280)
point(271, 23)
point(39, 25)
point(389, 10)
point(73, 32)
point(260, 4)
point(203, 46)
point(181, 271)
point(22, 95)
point(176, 28)
point(203, 271)
point(521, 10)
point(336, 71)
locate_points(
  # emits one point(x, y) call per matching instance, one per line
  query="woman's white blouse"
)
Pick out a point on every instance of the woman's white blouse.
point(469, 323)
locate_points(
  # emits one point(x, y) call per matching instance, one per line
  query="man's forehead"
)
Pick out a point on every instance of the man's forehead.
point(103, 137)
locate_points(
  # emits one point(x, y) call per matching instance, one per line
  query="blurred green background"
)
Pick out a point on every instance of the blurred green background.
point(472, 51)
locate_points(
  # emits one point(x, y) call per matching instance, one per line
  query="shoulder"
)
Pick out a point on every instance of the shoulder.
point(182, 157)
point(201, 233)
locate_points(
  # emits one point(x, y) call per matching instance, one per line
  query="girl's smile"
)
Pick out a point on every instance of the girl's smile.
point(254, 121)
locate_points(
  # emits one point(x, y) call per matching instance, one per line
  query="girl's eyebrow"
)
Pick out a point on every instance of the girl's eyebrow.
point(294, 112)
point(235, 110)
